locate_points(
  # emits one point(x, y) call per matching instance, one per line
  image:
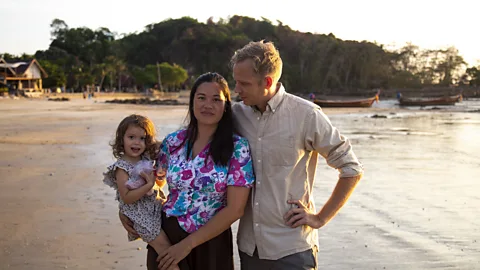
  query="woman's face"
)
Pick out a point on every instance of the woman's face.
point(209, 103)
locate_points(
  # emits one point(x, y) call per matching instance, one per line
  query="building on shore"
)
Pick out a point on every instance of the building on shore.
point(25, 76)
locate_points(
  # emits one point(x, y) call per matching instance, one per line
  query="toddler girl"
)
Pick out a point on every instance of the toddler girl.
point(140, 199)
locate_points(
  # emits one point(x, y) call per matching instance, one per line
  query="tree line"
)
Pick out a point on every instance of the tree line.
point(175, 51)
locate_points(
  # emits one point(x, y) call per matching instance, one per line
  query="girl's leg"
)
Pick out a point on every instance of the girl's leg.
point(160, 243)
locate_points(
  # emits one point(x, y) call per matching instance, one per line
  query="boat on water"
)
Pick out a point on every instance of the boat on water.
point(429, 101)
point(344, 102)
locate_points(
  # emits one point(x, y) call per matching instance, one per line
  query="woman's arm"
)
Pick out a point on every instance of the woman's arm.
point(236, 200)
point(131, 196)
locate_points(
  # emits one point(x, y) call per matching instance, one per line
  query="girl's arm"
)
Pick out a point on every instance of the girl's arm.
point(131, 196)
point(237, 197)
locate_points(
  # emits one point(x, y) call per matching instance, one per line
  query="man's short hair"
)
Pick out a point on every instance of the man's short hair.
point(265, 56)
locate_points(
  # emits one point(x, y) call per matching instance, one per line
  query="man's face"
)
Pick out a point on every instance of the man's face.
point(249, 85)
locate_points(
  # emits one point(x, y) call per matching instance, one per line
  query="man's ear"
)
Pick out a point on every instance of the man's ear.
point(268, 82)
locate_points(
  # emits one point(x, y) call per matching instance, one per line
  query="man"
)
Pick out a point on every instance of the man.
point(286, 134)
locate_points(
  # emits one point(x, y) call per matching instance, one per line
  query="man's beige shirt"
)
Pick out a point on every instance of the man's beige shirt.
point(285, 142)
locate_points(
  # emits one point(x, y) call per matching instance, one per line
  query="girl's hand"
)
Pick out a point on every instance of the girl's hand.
point(150, 178)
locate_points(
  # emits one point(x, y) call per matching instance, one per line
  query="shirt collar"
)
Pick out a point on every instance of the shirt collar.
point(276, 100)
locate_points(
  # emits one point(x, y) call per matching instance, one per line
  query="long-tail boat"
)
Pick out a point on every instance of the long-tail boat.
point(429, 101)
point(364, 102)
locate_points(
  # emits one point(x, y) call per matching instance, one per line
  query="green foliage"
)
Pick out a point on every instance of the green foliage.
point(145, 76)
point(171, 75)
point(312, 62)
point(474, 76)
point(56, 75)
point(418, 68)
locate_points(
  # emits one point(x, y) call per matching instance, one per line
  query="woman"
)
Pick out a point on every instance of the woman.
point(209, 174)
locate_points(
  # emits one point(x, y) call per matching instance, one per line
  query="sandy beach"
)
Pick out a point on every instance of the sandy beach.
point(418, 206)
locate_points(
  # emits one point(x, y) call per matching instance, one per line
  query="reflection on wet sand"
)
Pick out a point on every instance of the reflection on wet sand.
point(417, 205)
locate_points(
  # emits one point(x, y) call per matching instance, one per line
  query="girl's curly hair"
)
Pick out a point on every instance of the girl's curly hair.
point(142, 122)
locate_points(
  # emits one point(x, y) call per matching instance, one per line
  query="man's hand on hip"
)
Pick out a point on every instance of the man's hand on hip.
point(302, 215)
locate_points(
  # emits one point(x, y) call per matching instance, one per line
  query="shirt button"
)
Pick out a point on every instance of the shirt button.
point(259, 161)
point(258, 182)
point(258, 118)
point(259, 139)
point(256, 203)
point(256, 224)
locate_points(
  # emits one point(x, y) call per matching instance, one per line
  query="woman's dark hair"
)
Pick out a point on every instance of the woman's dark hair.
point(221, 146)
point(139, 121)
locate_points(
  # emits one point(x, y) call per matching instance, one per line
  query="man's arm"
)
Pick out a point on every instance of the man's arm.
point(322, 137)
point(341, 193)
point(303, 215)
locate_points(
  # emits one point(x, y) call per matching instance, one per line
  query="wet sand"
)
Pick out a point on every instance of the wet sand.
point(416, 208)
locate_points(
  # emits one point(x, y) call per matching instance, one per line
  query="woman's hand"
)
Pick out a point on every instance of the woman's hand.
point(173, 255)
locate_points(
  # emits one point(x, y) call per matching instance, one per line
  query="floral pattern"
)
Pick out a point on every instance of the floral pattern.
point(198, 187)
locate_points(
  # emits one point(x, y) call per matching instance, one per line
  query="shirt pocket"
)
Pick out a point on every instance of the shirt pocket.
point(281, 150)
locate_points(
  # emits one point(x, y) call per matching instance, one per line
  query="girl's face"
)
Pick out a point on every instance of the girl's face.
point(134, 141)
point(209, 104)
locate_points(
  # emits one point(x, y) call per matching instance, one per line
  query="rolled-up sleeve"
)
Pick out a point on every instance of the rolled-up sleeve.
point(321, 136)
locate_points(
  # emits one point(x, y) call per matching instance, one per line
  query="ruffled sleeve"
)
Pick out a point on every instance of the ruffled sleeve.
point(109, 176)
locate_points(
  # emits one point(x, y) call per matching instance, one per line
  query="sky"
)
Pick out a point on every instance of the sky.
point(25, 24)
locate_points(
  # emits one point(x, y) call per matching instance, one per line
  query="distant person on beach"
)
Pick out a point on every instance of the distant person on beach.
point(138, 194)
point(209, 174)
point(286, 133)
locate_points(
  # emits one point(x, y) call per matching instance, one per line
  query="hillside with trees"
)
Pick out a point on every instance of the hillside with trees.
point(181, 49)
